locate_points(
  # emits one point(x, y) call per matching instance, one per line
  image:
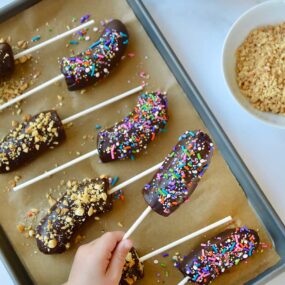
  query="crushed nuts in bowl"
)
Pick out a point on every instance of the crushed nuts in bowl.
point(254, 61)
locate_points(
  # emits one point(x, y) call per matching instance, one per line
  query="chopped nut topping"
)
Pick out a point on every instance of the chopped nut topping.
point(79, 212)
point(80, 201)
point(40, 132)
point(21, 228)
point(90, 211)
point(52, 243)
point(260, 68)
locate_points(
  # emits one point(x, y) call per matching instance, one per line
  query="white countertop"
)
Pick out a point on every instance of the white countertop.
point(4, 3)
point(196, 30)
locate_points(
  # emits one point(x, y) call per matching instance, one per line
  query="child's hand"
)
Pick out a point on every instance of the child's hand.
point(101, 261)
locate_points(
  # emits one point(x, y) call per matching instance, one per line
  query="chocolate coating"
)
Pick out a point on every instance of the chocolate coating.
point(7, 63)
point(78, 204)
point(133, 269)
point(219, 254)
point(98, 60)
point(27, 141)
point(180, 173)
point(133, 134)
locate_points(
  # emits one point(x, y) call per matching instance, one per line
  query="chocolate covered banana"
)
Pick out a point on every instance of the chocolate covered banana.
point(133, 134)
point(7, 63)
point(133, 269)
point(180, 173)
point(219, 254)
point(29, 139)
point(80, 203)
point(98, 60)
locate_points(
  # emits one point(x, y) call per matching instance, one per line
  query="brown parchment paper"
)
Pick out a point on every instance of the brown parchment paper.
point(217, 196)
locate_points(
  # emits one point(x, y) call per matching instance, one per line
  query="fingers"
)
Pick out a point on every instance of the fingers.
point(104, 246)
point(118, 260)
point(109, 239)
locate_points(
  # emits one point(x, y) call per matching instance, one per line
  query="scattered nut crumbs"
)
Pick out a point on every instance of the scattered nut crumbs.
point(11, 89)
point(22, 44)
point(79, 239)
point(51, 200)
point(23, 59)
point(14, 181)
point(21, 228)
point(260, 68)
point(27, 228)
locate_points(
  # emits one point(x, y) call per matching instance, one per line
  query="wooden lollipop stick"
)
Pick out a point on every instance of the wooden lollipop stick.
point(186, 238)
point(101, 105)
point(31, 92)
point(184, 281)
point(56, 38)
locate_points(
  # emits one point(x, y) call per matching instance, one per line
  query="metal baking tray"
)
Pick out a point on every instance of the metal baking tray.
point(256, 198)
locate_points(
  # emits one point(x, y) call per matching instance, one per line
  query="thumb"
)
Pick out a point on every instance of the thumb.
point(118, 259)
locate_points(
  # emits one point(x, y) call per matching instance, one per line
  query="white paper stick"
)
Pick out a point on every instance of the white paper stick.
point(55, 170)
point(135, 178)
point(95, 152)
point(31, 92)
point(184, 281)
point(101, 105)
point(56, 38)
point(186, 238)
point(137, 222)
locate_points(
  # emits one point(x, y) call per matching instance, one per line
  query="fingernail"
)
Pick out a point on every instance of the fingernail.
point(127, 243)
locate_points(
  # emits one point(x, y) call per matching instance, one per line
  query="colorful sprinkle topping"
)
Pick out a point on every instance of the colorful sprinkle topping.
point(84, 19)
point(36, 38)
point(98, 59)
point(180, 172)
point(133, 134)
point(219, 254)
point(74, 42)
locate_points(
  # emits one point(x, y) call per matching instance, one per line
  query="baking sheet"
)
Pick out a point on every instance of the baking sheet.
point(218, 194)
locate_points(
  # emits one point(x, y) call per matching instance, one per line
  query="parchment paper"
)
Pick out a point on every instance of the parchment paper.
point(217, 196)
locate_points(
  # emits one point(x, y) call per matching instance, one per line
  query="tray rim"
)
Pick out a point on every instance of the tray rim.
point(259, 202)
point(271, 221)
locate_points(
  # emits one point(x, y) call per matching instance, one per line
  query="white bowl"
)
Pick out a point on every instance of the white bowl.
point(267, 13)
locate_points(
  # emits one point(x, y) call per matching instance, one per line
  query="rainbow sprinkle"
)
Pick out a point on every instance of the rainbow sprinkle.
point(36, 38)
